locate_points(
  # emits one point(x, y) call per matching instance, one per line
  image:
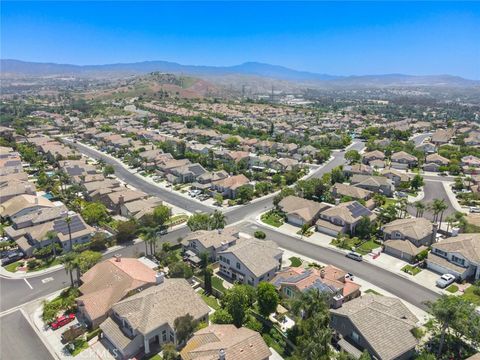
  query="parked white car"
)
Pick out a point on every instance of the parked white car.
point(355, 256)
point(445, 280)
point(474, 209)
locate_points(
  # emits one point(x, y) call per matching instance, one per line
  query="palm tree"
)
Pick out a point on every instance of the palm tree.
point(217, 220)
point(68, 220)
point(150, 238)
point(403, 207)
point(52, 235)
point(450, 221)
point(441, 206)
point(68, 260)
point(420, 207)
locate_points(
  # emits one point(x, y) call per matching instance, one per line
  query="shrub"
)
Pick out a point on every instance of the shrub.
point(417, 333)
point(422, 255)
point(260, 234)
point(33, 264)
point(93, 333)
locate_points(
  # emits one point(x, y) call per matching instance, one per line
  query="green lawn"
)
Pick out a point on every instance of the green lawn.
point(452, 288)
point(272, 218)
point(367, 246)
point(469, 295)
point(409, 269)
point(217, 283)
point(371, 291)
point(46, 265)
point(80, 345)
point(152, 357)
point(13, 266)
point(295, 261)
point(210, 300)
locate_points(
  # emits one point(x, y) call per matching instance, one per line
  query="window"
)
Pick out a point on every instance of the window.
point(440, 252)
point(288, 292)
point(355, 336)
point(228, 261)
point(238, 266)
point(458, 260)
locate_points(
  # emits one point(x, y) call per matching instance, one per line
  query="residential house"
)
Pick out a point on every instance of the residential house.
point(342, 218)
point(442, 136)
point(403, 160)
point(357, 169)
point(373, 155)
point(225, 342)
point(205, 180)
point(251, 261)
point(211, 242)
point(396, 177)
point(23, 204)
point(406, 238)
point(146, 320)
point(459, 256)
point(426, 148)
point(340, 190)
point(433, 162)
point(185, 174)
point(330, 280)
point(109, 282)
point(13, 188)
point(115, 199)
point(300, 211)
point(470, 164)
point(228, 187)
point(377, 164)
point(286, 164)
point(138, 208)
point(377, 184)
point(381, 325)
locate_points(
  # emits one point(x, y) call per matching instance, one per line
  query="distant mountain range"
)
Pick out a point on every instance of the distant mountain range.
point(11, 68)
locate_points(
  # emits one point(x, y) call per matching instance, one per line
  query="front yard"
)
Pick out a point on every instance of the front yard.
point(360, 246)
point(412, 270)
point(472, 294)
point(273, 218)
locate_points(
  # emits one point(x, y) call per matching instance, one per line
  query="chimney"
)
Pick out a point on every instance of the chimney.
point(337, 201)
point(121, 200)
point(159, 277)
point(322, 274)
point(118, 257)
point(221, 354)
point(36, 200)
point(29, 190)
point(434, 233)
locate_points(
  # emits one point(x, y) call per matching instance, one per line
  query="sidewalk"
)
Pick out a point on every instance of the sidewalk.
point(135, 173)
point(365, 285)
point(384, 261)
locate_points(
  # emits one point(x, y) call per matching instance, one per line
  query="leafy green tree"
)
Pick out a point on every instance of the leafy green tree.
point(199, 222)
point(267, 298)
point(184, 327)
point(218, 199)
point(108, 170)
point(217, 220)
point(365, 356)
point(207, 277)
point(417, 182)
point(364, 228)
point(161, 215)
point(232, 142)
point(283, 193)
point(353, 156)
point(245, 193)
point(222, 316)
point(126, 231)
point(454, 313)
point(314, 333)
point(169, 352)
point(337, 175)
point(87, 259)
point(236, 301)
point(94, 213)
point(180, 269)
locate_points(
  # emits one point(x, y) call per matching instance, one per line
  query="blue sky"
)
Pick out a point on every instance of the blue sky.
point(342, 38)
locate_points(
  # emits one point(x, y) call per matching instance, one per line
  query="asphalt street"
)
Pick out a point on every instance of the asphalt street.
point(393, 283)
point(19, 341)
point(434, 190)
point(125, 175)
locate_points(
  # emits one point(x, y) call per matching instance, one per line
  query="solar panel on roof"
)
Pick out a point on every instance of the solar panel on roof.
point(358, 210)
point(61, 226)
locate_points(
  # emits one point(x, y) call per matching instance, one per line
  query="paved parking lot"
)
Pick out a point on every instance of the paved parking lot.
point(19, 341)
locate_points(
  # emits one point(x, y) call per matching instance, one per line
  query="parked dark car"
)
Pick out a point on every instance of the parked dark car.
point(11, 258)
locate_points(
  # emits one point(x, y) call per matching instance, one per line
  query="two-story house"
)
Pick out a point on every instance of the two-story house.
point(403, 160)
point(211, 242)
point(251, 261)
point(145, 321)
point(406, 238)
point(459, 256)
point(342, 218)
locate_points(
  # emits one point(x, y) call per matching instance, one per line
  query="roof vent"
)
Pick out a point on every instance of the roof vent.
point(221, 354)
